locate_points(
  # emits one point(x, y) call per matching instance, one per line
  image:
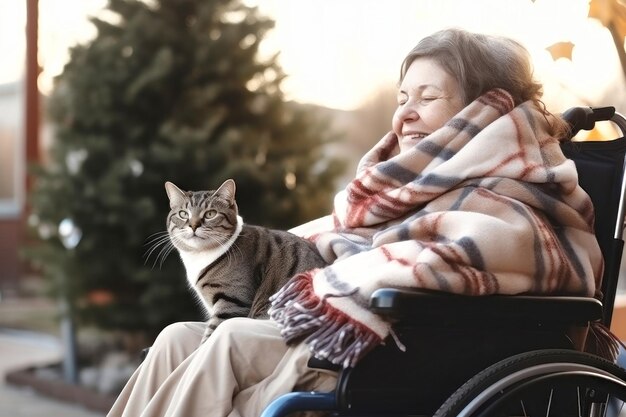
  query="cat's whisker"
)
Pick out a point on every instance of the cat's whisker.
point(242, 236)
point(159, 233)
point(221, 240)
point(155, 237)
point(213, 235)
point(167, 249)
point(158, 259)
point(176, 240)
point(161, 241)
point(233, 254)
point(153, 248)
point(165, 252)
point(164, 249)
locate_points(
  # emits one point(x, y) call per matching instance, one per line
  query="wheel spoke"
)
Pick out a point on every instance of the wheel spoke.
point(523, 408)
point(518, 385)
point(580, 411)
point(549, 403)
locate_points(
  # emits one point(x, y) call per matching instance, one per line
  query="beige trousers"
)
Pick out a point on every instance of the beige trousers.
point(243, 366)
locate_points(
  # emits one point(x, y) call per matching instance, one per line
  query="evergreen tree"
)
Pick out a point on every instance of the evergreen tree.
point(168, 90)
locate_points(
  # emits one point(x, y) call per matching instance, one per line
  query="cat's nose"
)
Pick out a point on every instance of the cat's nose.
point(195, 224)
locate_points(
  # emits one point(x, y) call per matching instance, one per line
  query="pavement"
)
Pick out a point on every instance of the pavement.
point(22, 349)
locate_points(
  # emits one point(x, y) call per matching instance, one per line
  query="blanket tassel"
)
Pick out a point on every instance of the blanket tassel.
point(330, 333)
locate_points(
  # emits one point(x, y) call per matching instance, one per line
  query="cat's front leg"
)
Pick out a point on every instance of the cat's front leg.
point(223, 309)
point(211, 325)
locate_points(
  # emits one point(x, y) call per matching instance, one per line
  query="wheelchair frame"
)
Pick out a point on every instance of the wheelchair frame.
point(503, 346)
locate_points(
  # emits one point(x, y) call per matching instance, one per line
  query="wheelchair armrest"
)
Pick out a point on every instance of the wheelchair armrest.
point(418, 307)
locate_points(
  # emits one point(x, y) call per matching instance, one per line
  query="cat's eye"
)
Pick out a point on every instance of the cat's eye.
point(183, 214)
point(210, 214)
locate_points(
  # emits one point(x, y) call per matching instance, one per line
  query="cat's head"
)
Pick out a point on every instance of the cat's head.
point(201, 220)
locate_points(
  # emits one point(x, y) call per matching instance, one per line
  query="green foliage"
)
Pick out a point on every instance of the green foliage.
point(168, 90)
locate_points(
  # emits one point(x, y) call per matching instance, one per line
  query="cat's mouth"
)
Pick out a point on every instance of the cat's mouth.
point(192, 238)
point(194, 242)
point(189, 233)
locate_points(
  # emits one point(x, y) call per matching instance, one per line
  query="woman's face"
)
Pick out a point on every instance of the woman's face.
point(428, 97)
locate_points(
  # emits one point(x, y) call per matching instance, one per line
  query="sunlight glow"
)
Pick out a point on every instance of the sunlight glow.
point(337, 54)
point(12, 45)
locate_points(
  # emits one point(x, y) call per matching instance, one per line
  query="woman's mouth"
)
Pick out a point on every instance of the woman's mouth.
point(410, 139)
point(414, 135)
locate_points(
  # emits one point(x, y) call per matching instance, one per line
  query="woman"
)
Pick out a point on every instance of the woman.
point(469, 193)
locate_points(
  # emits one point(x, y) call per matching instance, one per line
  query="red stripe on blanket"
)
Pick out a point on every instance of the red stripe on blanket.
point(362, 200)
point(499, 100)
point(476, 282)
point(559, 264)
point(556, 263)
point(390, 257)
point(521, 154)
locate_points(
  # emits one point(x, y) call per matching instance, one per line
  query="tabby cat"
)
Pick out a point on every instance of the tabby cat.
point(233, 267)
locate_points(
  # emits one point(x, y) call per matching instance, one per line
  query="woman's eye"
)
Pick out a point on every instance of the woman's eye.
point(183, 214)
point(427, 99)
point(210, 214)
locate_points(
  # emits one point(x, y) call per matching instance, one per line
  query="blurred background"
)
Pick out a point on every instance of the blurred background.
point(101, 102)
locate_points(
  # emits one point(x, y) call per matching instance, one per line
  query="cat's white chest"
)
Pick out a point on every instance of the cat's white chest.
point(195, 262)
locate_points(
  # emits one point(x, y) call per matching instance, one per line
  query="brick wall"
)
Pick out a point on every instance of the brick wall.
point(10, 238)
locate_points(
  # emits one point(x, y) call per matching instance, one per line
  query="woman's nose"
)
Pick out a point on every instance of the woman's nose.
point(408, 113)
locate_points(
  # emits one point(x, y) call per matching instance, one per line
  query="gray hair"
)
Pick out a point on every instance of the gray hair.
point(479, 63)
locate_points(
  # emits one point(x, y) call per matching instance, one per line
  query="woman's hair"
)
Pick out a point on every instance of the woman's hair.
point(482, 62)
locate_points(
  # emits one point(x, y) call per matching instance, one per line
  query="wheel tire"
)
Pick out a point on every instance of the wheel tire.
point(494, 385)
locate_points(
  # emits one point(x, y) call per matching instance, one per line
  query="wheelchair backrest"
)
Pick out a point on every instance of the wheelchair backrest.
point(600, 166)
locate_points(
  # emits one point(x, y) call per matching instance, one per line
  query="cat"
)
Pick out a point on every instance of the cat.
point(233, 267)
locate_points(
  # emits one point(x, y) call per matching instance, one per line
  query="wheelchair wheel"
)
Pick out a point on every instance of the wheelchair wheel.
point(542, 383)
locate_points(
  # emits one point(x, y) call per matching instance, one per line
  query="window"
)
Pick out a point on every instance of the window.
point(12, 143)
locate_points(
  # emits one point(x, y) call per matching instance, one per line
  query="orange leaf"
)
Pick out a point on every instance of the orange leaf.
point(561, 50)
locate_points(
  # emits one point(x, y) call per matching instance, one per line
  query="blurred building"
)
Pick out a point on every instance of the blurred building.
point(12, 180)
point(19, 146)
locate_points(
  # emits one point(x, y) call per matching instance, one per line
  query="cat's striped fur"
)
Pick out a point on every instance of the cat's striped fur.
point(233, 267)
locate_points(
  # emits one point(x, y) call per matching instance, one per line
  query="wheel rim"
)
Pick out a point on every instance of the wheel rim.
point(573, 393)
point(521, 379)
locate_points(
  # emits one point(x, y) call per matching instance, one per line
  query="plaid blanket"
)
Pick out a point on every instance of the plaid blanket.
point(487, 204)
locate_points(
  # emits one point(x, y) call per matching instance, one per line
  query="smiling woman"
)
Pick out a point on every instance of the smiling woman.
point(430, 210)
point(428, 97)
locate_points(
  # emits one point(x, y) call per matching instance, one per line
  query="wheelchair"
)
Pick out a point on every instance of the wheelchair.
point(499, 355)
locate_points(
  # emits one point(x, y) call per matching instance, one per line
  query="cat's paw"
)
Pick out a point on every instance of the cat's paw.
point(207, 333)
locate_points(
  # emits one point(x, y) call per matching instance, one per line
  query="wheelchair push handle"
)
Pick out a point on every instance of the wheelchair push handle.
point(585, 118)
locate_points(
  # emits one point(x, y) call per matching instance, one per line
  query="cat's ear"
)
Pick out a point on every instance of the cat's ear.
point(227, 191)
point(175, 194)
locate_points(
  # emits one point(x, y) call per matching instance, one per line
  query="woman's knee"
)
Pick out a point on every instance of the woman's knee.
point(234, 327)
point(237, 336)
point(175, 333)
point(230, 327)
